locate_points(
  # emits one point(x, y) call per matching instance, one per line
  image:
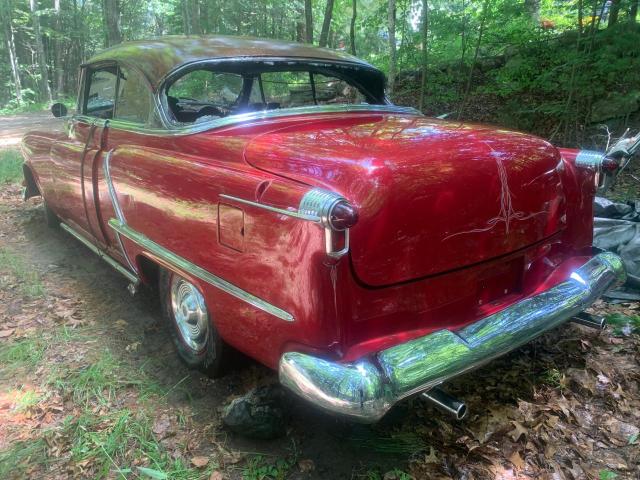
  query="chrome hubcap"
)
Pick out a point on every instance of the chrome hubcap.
point(190, 313)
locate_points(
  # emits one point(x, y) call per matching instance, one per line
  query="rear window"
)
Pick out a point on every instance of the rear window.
point(217, 91)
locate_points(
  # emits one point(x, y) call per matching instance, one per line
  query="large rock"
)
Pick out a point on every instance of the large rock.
point(261, 413)
point(615, 105)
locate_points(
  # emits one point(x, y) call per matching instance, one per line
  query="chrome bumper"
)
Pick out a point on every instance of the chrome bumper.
point(367, 389)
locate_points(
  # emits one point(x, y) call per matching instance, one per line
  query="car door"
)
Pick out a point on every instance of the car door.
point(129, 127)
point(74, 156)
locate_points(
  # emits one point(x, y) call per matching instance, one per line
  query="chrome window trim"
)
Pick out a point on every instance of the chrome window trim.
point(250, 118)
point(116, 206)
point(185, 265)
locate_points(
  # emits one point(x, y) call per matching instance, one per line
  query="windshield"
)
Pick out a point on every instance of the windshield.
point(207, 93)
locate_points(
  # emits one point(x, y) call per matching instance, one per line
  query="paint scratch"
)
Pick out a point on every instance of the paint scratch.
point(507, 213)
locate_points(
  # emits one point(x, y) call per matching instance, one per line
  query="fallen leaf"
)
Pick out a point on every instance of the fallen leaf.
point(121, 324)
point(517, 460)
point(216, 475)
point(200, 461)
point(7, 333)
point(306, 465)
point(518, 431)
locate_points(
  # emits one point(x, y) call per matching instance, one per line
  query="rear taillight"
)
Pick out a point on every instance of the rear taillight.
point(609, 164)
point(342, 216)
point(332, 209)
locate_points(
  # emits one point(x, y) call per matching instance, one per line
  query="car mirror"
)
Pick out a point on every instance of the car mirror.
point(59, 110)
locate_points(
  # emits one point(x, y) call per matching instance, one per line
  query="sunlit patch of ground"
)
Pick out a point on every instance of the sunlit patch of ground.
point(90, 388)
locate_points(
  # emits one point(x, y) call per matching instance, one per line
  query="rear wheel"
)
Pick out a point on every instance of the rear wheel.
point(51, 218)
point(189, 320)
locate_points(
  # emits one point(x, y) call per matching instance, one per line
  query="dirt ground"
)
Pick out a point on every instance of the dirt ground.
point(90, 387)
point(13, 127)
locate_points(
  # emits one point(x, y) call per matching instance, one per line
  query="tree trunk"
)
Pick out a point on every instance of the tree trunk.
point(483, 20)
point(7, 27)
point(111, 18)
point(532, 7)
point(352, 27)
point(392, 44)
point(59, 44)
point(614, 12)
point(425, 51)
point(308, 20)
point(45, 90)
point(324, 33)
point(633, 13)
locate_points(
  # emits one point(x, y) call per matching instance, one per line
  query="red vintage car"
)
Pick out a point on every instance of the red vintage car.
point(285, 207)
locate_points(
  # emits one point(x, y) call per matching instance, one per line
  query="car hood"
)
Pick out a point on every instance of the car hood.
point(433, 196)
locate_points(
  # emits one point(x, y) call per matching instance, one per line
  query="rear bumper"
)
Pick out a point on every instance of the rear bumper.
point(365, 390)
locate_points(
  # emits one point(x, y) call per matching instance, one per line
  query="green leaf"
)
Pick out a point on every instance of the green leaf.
point(150, 472)
point(607, 475)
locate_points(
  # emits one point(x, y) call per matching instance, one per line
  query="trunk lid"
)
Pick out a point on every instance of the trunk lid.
point(433, 196)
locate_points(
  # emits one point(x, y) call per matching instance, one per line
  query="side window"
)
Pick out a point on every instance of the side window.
point(301, 88)
point(101, 95)
point(134, 98)
point(203, 94)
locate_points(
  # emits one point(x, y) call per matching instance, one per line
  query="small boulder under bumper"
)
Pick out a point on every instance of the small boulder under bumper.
point(365, 390)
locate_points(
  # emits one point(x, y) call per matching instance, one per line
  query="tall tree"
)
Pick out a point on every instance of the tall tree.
point(6, 20)
point(425, 51)
point(352, 27)
point(111, 18)
point(326, 23)
point(483, 22)
point(45, 89)
point(59, 46)
point(392, 45)
point(532, 7)
point(614, 12)
point(308, 19)
point(191, 17)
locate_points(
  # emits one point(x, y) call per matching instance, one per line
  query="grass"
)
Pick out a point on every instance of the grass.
point(100, 380)
point(10, 166)
point(27, 352)
point(21, 456)
point(623, 325)
point(113, 443)
point(260, 468)
point(27, 277)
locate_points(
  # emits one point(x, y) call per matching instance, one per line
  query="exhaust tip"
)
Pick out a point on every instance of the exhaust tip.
point(446, 403)
point(591, 321)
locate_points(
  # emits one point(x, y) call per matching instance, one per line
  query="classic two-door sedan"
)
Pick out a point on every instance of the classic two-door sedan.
point(283, 206)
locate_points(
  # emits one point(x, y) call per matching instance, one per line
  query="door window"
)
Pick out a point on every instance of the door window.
point(134, 99)
point(101, 97)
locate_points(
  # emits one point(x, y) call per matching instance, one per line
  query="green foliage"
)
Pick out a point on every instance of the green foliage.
point(26, 277)
point(21, 456)
point(10, 166)
point(260, 468)
point(623, 325)
point(112, 442)
point(27, 352)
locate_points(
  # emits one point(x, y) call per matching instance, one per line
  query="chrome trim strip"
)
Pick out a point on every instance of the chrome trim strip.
point(251, 117)
point(281, 211)
point(188, 267)
point(116, 205)
point(130, 276)
point(365, 390)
